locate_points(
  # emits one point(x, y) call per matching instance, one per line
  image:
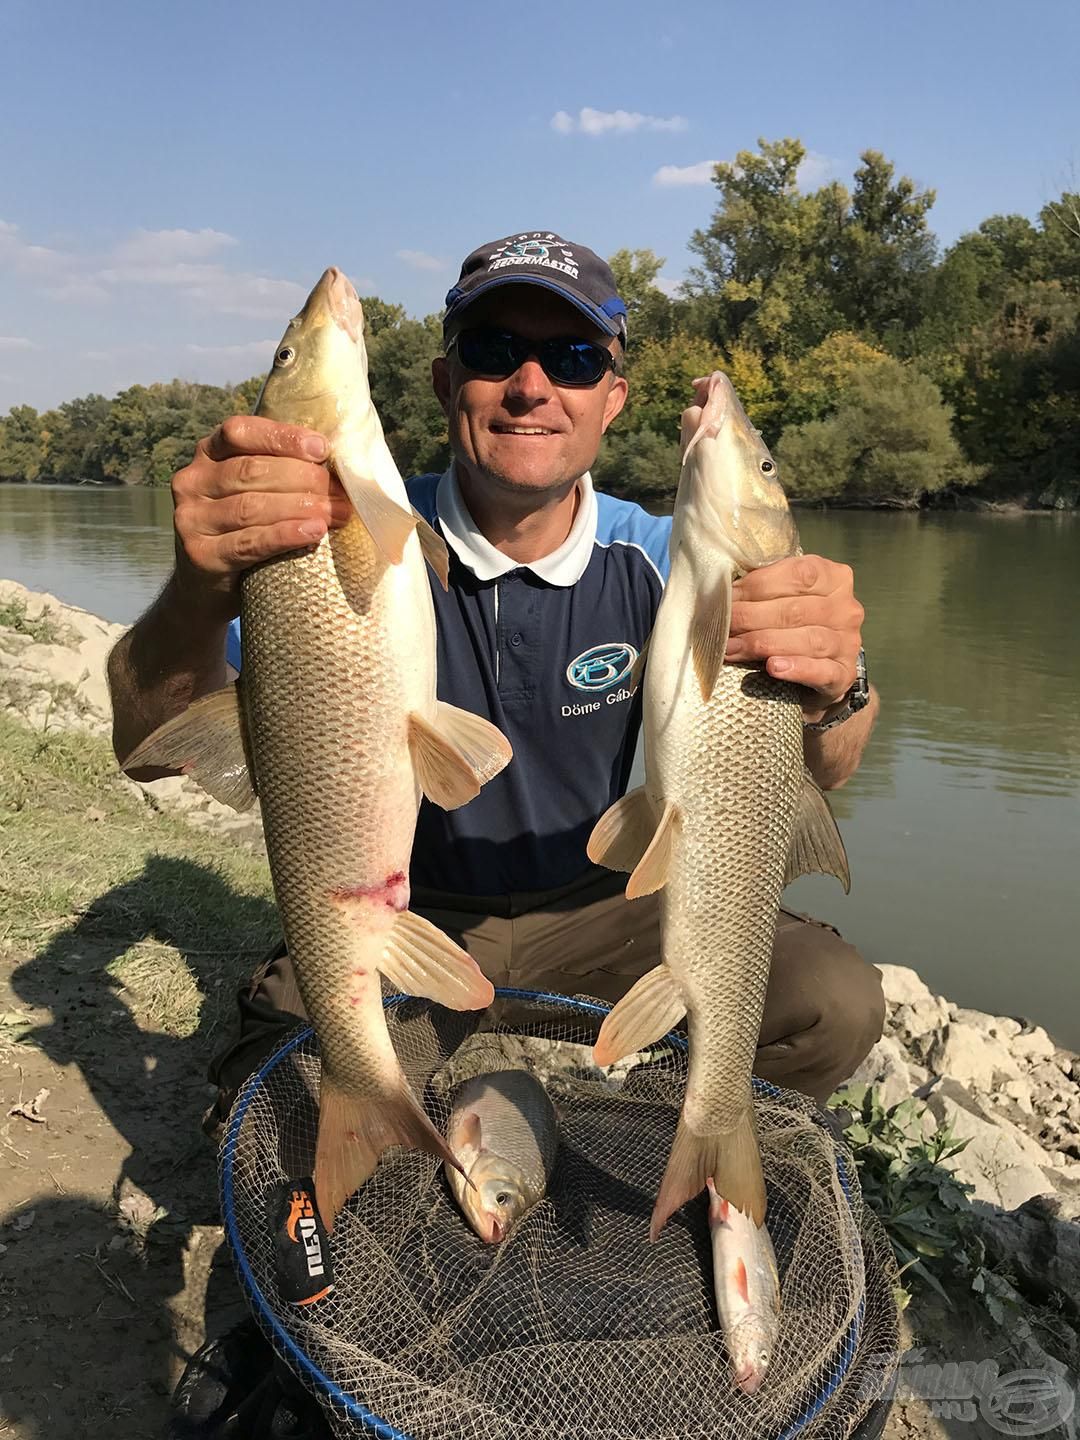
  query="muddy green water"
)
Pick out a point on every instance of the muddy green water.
point(963, 823)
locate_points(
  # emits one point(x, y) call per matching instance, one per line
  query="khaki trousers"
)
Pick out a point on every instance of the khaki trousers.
point(824, 1007)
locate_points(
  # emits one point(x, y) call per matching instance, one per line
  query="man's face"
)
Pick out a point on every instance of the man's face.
point(526, 433)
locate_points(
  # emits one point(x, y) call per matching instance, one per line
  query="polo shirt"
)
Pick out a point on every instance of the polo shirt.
point(544, 651)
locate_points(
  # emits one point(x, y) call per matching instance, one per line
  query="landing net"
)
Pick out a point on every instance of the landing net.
point(576, 1325)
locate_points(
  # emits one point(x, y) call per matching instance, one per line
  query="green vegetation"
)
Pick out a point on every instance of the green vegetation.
point(883, 371)
point(101, 888)
point(42, 628)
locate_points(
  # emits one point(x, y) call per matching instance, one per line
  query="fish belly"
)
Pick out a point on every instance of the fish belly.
point(339, 648)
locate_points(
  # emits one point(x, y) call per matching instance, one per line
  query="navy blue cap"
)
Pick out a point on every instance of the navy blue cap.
point(538, 257)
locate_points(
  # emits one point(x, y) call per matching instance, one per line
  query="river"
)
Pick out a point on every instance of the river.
point(963, 822)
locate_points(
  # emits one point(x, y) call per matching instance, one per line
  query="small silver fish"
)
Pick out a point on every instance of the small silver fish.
point(504, 1132)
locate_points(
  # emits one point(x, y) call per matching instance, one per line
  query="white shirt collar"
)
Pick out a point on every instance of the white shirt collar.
point(564, 566)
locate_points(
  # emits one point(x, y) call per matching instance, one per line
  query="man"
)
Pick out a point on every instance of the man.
point(553, 591)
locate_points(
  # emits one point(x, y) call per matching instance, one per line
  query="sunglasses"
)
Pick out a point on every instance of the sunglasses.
point(496, 354)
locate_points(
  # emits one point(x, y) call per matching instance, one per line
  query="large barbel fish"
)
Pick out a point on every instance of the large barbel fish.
point(726, 817)
point(336, 726)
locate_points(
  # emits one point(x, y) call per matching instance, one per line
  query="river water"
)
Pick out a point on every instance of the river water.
point(963, 822)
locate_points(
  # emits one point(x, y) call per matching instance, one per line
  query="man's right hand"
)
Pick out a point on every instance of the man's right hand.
point(255, 489)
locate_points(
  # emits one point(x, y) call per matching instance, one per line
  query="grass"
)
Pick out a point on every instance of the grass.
point(100, 887)
point(43, 628)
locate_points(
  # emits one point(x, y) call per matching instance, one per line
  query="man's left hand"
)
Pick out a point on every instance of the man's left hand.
point(801, 617)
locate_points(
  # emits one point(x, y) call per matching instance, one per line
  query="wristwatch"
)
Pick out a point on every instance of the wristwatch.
point(855, 699)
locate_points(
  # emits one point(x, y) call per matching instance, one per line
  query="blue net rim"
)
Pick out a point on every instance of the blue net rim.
point(355, 1409)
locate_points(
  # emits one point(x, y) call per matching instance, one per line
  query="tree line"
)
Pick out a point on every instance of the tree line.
point(881, 369)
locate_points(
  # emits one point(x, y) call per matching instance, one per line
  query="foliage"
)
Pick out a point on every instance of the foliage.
point(42, 628)
point(888, 442)
point(925, 1210)
point(884, 372)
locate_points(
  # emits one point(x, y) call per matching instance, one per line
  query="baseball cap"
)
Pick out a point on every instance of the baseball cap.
point(539, 257)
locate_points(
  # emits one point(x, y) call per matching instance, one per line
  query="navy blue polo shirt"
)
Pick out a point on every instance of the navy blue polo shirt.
point(543, 651)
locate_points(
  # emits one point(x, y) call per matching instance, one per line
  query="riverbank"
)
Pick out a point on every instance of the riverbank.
point(129, 915)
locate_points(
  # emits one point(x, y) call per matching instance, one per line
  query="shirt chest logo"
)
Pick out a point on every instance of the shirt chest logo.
point(601, 666)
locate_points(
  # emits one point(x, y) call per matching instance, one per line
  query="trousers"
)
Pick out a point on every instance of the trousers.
point(824, 1007)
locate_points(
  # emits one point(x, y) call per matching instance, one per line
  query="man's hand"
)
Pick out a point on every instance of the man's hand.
point(801, 617)
point(255, 489)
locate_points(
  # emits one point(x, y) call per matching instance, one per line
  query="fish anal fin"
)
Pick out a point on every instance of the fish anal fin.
point(648, 1010)
point(208, 742)
point(709, 632)
point(730, 1158)
point(434, 549)
point(354, 1131)
point(651, 872)
point(418, 959)
point(388, 524)
point(623, 833)
point(816, 845)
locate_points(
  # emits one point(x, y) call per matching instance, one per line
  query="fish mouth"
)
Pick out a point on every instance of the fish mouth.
point(710, 412)
point(339, 296)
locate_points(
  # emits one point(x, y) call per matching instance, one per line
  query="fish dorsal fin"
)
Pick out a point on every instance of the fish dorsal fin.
point(623, 833)
point(709, 633)
point(418, 959)
point(434, 549)
point(384, 519)
point(651, 872)
point(454, 755)
point(648, 1010)
point(208, 742)
point(816, 844)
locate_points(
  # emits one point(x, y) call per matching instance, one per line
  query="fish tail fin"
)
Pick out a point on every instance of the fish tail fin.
point(731, 1159)
point(354, 1131)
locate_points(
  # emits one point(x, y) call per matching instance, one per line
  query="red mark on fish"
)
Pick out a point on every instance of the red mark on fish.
point(393, 892)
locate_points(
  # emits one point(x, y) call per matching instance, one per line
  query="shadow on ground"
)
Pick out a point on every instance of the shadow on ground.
point(104, 1319)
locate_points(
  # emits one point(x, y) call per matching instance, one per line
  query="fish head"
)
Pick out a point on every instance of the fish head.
point(751, 1344)
point(498, 1193)
point(320, 365)
point(730, 496)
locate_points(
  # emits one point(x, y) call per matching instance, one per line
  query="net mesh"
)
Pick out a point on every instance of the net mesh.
point(576, 1325)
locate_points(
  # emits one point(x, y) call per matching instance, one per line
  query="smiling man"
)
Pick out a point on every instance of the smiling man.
point(552, 595)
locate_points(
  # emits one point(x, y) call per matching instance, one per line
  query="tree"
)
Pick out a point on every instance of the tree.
point(75, 435)
point(660, 375)
point(22, 446)
point(639, 464)
point(816, 383)
point(649, 312)
point(888, 442)
point(400, 357)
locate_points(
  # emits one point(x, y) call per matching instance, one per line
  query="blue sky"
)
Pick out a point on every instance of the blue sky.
point(174, 178)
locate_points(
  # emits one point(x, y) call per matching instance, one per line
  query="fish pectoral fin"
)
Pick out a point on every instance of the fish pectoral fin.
point(709, 633)
point(730, 1158)
point(384, 519)
point(816, 845)
point(651, 872)
point(456, 754)
point(355, 1130)
point(469, 1141)
point(623, 833)
point(648, 1010)
point(434, 549)
point(420, 960)
point(208, 742)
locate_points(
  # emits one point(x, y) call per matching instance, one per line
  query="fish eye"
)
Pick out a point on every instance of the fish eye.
point(285, 356)
point(767, 467)
point(503, 1198)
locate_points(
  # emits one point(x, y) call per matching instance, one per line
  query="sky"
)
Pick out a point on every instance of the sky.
point(173, 179)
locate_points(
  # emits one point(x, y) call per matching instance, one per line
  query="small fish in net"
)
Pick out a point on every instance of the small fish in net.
point(575, 1324)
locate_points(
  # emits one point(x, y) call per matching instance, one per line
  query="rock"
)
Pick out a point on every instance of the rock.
point(1040, 1241)
point(1033, 1045)
point(904, 987)
point(888, 1068)
point(1000, 1027)
point(971, 1056)
point(1020, 1092)
point(1004, 1165)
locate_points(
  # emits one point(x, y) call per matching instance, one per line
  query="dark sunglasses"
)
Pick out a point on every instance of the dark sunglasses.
point(498, 353)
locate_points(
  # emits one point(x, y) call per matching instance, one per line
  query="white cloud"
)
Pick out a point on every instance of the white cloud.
point(16, 342)
point(672, 175)
point(421, 260)
point(154, 247)
point(671, 288)
point(815, 170)
point(250, 350)
point(613, 122)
